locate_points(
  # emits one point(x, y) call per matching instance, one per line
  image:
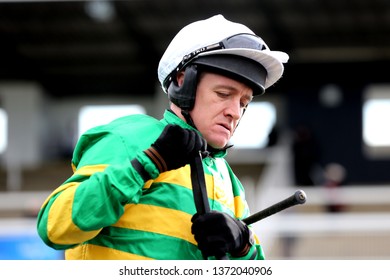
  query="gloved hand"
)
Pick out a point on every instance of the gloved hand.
point(175, 147)
point(217, 233)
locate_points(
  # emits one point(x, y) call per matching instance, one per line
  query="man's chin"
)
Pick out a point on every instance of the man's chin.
point(218, 145)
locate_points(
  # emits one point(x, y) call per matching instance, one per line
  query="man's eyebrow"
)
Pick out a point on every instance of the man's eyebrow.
point(224, 86)
point(228, 87)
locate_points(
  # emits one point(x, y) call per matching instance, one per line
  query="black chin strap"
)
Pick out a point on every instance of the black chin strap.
point(188, 118)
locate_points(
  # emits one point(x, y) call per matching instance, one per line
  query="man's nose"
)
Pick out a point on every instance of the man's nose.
point(234, 110)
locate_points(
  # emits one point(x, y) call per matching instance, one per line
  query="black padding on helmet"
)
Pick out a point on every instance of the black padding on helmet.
point(184, 96)
point(239, 68)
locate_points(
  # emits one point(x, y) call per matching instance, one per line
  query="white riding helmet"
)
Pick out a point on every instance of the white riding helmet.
point(208, 41)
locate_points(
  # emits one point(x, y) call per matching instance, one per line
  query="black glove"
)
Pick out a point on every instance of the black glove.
point(175, 147)
point(217, 233)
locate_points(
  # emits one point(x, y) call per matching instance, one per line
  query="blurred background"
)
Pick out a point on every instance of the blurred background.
point(66, 66)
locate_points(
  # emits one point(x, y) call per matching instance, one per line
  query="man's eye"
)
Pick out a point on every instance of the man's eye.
point(245, 103)
point(222, 94)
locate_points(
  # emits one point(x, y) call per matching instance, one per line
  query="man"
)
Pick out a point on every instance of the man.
point(130, 196)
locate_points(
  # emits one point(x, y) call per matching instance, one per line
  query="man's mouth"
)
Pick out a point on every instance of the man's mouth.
point(226, 126)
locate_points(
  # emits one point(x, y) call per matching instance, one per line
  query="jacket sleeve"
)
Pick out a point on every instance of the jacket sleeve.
point(95, 195)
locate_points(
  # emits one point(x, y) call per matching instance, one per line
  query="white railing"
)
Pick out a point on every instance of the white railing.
point(22, 201)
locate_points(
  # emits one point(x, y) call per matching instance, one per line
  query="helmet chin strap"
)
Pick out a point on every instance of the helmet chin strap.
point(188, 118)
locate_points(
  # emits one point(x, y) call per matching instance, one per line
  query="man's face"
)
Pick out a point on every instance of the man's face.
point(219, 105)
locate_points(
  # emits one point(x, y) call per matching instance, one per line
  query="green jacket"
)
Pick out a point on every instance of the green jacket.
point(105, 210)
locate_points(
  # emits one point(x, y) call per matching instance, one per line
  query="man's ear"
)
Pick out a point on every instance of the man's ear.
point(180, 78)
point(182, 91)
